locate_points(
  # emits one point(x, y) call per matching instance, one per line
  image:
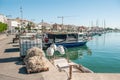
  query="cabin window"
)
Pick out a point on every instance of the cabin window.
point(72, 35)
point(80, 35)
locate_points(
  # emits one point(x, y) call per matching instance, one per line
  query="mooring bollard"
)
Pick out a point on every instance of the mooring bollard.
point(70, 72)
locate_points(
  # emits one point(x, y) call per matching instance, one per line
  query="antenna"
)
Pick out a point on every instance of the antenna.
point(21, 12)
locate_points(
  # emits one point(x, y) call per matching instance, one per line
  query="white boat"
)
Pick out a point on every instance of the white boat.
point(65, 39)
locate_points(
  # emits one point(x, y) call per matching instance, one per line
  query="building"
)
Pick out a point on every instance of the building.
point(3, 18)
point(44, 26)
point(82, 29)
point(17, 23)
point(56, 27)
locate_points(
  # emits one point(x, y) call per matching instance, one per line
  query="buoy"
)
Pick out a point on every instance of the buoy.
point(50, 51)
point(60, 48)
point(53, 46)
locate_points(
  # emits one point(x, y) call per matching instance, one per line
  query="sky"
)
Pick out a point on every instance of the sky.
point(75, 12)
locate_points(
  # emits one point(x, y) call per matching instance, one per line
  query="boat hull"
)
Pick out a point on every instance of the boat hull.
point(73, 44)
point(69, 45)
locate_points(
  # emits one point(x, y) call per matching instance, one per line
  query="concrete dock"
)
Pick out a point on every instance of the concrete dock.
point(12, 68)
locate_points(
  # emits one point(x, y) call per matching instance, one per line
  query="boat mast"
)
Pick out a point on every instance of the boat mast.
point(104, 24)
point(91, 23)
point(97, 23)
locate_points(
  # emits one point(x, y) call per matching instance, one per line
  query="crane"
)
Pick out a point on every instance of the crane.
point(62, 18)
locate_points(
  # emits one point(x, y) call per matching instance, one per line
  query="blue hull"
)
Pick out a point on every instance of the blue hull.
point(68, 45)
point(73, 44)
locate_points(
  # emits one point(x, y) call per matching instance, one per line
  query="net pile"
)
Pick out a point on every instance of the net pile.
point(35, 60)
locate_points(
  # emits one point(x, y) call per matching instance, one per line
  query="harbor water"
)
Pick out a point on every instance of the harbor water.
point(101, 54)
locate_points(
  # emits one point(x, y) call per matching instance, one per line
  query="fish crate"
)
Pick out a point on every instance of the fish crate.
point(27, 42)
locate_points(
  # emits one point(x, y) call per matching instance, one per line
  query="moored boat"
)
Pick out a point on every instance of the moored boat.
point(65, 39)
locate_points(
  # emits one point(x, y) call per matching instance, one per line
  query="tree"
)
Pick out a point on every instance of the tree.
point(3, 27)
point(30, 25)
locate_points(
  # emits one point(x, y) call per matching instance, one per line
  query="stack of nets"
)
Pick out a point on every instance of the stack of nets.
point(35, 60)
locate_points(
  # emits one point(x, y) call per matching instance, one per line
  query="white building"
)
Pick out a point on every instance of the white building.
point(44, 26)
point(16, 23)
point(3, 18)
point(12, 23)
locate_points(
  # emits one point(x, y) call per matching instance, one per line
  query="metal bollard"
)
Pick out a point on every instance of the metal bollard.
point(70, 72)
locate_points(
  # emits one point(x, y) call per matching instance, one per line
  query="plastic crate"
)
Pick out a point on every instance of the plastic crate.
point(27, 42)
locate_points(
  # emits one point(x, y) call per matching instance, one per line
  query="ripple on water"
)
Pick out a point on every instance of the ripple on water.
point(105, 54)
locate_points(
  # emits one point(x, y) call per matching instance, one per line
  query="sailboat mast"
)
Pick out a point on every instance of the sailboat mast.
point(97, 23)
point(104, 24)
point(91, 23)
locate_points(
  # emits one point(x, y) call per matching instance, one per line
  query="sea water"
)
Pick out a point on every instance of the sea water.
point(101, 54)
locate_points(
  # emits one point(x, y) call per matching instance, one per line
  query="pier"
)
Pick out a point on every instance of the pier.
point(12, 67)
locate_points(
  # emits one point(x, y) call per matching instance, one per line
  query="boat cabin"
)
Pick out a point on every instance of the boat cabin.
point(69, 37)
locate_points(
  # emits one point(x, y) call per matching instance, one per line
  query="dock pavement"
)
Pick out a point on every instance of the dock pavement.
point(12, 67)
point(3, 36)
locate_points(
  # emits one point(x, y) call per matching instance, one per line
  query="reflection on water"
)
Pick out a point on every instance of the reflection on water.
point(74, 53)
point(105, 55)
point(78, 52)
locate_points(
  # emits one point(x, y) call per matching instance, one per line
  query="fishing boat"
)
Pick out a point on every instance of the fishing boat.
point(65, 39)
